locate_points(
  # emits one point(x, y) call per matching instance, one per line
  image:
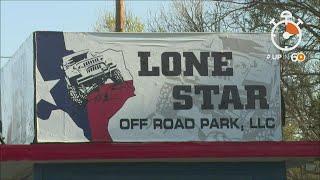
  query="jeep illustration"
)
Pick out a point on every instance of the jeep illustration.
point(85, 72)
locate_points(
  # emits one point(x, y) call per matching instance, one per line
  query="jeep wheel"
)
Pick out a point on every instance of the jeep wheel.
point(116, 76)
point(76, 97)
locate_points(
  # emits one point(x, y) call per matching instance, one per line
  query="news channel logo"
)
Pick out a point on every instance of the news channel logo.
point(289, 31)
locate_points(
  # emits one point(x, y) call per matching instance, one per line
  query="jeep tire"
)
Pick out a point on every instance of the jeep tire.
point(116, 76)
point(76, 96)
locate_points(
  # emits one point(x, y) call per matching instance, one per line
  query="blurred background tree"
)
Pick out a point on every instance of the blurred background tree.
point(107, 23)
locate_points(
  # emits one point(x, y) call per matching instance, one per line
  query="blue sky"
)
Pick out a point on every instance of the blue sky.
point(20, 18)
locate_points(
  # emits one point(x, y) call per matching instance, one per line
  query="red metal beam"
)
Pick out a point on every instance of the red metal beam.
point(104, 151)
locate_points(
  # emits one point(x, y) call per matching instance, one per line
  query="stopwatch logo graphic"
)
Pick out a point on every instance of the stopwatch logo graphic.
point(291, 31)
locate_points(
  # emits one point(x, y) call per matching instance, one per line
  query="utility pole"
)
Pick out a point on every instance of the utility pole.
point(120, 16)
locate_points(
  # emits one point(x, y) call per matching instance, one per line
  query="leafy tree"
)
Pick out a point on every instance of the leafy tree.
point(107, 23)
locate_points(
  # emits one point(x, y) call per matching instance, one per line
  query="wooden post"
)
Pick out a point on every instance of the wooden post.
point(120, 16)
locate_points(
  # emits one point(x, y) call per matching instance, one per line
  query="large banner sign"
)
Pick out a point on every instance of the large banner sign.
point(129, 87)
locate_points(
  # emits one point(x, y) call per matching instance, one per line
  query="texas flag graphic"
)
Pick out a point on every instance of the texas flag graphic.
point(90, 87)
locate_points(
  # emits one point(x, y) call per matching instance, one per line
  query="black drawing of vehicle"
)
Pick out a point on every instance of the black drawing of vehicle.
point(85, 72)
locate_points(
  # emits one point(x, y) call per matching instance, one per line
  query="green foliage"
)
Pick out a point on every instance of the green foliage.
point(300, 172)
point(107, 23)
